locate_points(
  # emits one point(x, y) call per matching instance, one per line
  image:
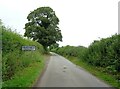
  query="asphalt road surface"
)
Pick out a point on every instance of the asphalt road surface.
point(60, 72)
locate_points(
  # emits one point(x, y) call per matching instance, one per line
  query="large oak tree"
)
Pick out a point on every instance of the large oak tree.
point(43, 27)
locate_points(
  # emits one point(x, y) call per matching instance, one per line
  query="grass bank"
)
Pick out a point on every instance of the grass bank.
point(20, 68)
point(96, 71)
point(27, 76)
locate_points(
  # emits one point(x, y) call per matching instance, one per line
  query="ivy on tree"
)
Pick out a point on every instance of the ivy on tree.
point(43, 27)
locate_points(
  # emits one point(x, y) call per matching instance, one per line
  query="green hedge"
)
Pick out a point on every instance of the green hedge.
point(13, 58)
point(71, 51)
point(104, 53)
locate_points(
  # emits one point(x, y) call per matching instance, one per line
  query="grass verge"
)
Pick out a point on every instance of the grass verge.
point(27, 76)
point(107, 78)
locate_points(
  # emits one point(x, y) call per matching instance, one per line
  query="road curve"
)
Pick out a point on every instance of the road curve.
point(61, 72)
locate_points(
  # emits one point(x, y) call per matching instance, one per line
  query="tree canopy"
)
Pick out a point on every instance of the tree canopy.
point(43, 27)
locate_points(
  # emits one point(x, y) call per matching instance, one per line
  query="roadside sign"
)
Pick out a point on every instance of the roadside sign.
point(28, 48)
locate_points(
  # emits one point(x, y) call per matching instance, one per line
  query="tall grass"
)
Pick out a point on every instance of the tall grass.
point(15, 60)
point(27, 76)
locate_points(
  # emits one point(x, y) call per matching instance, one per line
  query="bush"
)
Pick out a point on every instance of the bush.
point(104, 53)
point(13, 58)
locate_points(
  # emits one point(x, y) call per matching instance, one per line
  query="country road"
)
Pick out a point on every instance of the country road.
point(60, 72)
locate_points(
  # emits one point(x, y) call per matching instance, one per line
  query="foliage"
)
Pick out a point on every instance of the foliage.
point(43, 27)
point(71, 51)
point(53, 46)
point(109, 79)
point(104, 54)
point(13, 58)
point(26, 77)
point(0, 53)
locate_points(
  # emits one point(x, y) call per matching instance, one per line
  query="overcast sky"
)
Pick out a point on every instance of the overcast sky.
point(81, 21)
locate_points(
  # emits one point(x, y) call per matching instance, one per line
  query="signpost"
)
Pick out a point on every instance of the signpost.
point(28, 48)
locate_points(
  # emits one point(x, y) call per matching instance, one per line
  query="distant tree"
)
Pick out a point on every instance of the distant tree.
point(43, 27)
point(54, 46)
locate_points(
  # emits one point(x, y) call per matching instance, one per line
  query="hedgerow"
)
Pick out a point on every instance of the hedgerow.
point(104, 53)
point(13, 57)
